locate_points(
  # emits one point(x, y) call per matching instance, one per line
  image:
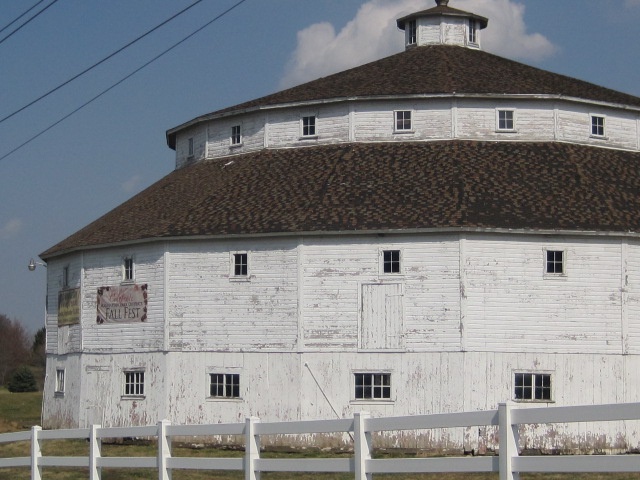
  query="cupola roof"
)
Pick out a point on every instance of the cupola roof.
point(442, 9)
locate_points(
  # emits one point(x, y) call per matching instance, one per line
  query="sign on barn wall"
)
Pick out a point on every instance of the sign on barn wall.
point(69, 306)
point(122, 304)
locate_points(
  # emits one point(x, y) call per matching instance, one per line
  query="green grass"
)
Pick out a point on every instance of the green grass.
point(20, 411)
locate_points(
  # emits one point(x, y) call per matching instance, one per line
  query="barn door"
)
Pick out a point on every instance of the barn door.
point(381, 316)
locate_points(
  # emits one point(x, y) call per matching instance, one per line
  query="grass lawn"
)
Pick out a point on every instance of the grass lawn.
point(20, 411)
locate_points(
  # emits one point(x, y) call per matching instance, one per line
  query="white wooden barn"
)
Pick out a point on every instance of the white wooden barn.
point(437, 231)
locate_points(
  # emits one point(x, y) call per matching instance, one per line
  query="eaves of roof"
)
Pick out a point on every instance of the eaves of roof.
point(378, 187)
point(442, 10)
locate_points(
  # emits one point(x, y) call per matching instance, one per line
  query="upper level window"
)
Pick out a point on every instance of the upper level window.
point(473, 31)
point(236, 135)
point(403, 120)
point(59, 380)
point(128, 273)
point(65, 276)
point(190, 148)
point(532, 386)
point(391, 261)
point(240, 264)
point(309, 126)
point(224, 385)
point(375, 386)
point(133, 383)
point(412, 29)
point(554, 262)
point(506, 120)
point(597, 126)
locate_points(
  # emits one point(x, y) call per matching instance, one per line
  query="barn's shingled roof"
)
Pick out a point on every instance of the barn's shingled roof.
point(431, 70)
point(382, 186)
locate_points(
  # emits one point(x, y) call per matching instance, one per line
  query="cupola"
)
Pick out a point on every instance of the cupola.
point(442, 25)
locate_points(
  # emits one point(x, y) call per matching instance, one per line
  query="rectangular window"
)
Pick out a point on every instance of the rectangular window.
point(412, 32)
point(597, 126)
point(554, 262)
point(190, 147)
point(403, 120)
point(240, 264)
point(59, 380)
point(133, 383)
point(128, 269)
point(506, 120)
point(375, 386)
point(391, 261)
point(65, 277)
point(309, 126)
point(473, 31)
point(224, 385)
point(236, 135)
point(532, 386)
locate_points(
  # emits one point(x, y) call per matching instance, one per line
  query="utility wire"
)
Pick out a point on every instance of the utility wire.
point(28, 21)
point(99, 62)
point(20, 16)
point(123, 79)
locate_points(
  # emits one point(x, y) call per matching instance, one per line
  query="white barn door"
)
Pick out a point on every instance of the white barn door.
point(381, 316)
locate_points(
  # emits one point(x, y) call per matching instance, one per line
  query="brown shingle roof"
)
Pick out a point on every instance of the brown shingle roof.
point(382, 186)
point(434, 70)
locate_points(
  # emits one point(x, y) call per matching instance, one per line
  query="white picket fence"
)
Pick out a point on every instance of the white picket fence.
point(508, 463)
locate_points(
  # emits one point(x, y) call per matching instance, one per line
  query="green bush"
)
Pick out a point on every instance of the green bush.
point(23, 380)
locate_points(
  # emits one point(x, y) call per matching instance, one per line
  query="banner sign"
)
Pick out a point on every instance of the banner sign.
point(122, 304)
point(69, 307)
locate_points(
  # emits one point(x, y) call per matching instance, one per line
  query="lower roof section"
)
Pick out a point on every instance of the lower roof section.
point(372, 187)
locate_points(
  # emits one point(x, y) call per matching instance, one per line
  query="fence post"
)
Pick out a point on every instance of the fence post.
point(251, 449)
point(36, 454)
point(362, 447)
point(95, 445)
point(164, 450)
point(508, 442)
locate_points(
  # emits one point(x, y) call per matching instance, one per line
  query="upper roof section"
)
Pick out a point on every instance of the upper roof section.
point(442, 25)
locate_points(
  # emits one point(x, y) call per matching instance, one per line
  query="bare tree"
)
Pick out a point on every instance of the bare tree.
point(14, 347)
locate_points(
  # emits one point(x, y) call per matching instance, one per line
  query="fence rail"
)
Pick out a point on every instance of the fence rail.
point(508, 463)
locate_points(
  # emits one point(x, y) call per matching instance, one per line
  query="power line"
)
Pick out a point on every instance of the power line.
point(20, 16)
point(99, 62)
point(28, 21)
point(123, 79)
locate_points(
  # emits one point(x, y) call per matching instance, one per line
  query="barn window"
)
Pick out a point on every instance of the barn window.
point(190, 147)
point(240, 264)
point(59, 381)
point(473, 31)
point(236, 135)
point(412, 32)
point(554, 263)
point(134, 383)
point(374, 386)
point(309, 126)
point(128, 269)
point(506, 120)
point(403, 121)
point(391, 261)
point(224, 385)
point(532, 386)
point(597, 126)
point(65, 276)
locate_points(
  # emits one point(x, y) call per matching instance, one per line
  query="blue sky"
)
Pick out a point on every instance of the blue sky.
point(115, 147)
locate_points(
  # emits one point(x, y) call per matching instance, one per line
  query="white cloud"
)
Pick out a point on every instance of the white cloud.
point(11, 228)
point(131, 185)
point(373, 34)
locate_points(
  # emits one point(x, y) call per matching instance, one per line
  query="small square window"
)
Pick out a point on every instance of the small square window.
point(597, 126)
point(134, 383)
point(128, 273)
point(236, 135)
point(309, 126)
point(403, 120)
point(224, 385)
point(412, 29)
point(240, 264)
point(532, 386)
point(391, 261)
point(374, 386)
point(506, 120)
point(554, 263)
point(59, 380)
point(190, 147)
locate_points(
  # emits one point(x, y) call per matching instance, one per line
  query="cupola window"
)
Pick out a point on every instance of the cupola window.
point(236, 135)
point(473, 31)
point(309, 126)
point(597, 126)
point(403, 121)
point(412, 32)
point(506, 120)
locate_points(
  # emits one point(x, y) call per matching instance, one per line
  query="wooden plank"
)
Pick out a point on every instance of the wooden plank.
point(578, 463)
point(433, 465)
